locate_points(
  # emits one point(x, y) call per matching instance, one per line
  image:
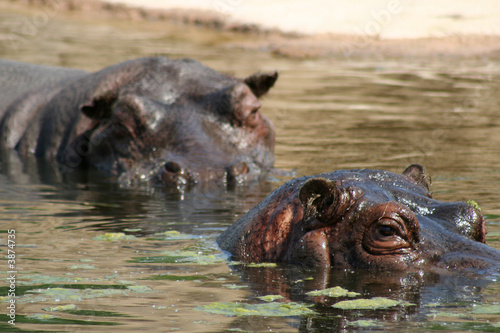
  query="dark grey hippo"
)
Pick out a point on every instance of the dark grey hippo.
point(173, 122)
point(369, 219)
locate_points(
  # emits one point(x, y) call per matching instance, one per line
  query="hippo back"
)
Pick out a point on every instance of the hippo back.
point(19, 79)
point(24, 90)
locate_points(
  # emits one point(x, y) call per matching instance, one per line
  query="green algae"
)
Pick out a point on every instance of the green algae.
point(125, 282)
point(42, 318)
point(47, 279)
point(66, 294)
point(262, 264)
point(60, 308)
point(443, 314)
point(172, 259)
point(474, 204)
point(303, 280)
point(140, 289)
point(85, 260)
point(78, 294)
point(270, 298)
point(82, 266)
point(22, 290)
point(486, 309)
point(234, 286)
point(132, 229)
point(374, 303)
point(114, 237)
point(467, 326)
point(273, 309)
point(71, 309)
point(363, 323)
point(333, 292)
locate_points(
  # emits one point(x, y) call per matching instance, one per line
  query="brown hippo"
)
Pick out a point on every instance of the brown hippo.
point(175, 122)
point(362, 219)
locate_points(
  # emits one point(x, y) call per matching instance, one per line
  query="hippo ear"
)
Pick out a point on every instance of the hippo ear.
point(260, 83)
point(417, 172)
point(99, 107)
point(318, 196)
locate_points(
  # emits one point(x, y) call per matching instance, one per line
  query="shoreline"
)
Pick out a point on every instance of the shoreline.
point(288, 43)
point(384, 19)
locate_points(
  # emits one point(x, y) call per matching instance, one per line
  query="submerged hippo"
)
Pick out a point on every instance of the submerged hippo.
point(362, 219)
point(151, 119)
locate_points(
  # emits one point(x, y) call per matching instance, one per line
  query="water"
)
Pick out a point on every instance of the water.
point(162, 272)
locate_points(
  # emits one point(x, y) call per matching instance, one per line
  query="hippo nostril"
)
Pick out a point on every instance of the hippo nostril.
point(238, 169)
point(172, 167)
point(236, 173)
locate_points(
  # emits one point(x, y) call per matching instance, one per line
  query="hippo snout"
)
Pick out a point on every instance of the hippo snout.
point(174, 175)
point(482, 260)
point(237, 173)
point(183, 174)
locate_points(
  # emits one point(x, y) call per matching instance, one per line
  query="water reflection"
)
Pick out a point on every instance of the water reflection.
point(420, 295)
point(114, 208)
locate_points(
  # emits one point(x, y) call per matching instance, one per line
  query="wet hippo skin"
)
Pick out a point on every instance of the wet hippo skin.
point(172, 122)
point(362, 219)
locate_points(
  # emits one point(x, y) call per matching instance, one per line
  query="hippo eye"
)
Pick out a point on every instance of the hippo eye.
point(387, 235)
point(386, 230)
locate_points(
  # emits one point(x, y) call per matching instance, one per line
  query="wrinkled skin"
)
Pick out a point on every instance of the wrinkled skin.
point(362, 219)
point(174, 122)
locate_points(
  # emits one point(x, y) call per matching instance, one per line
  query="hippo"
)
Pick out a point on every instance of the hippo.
point(366, 219)
point(172, 122)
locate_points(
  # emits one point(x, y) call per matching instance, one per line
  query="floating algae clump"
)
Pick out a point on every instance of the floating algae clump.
point(266, 309)
point(174, 234)
point(140, 289)
point(114, 236)
point(60, 308)
point(474, 204)
point(82, 266)
point(333, 292)
point(369, 304)
point(366, 324)
point(41, 316)
point(270, 298)
point(262, 264)
point(234, 286)
point(486, 309)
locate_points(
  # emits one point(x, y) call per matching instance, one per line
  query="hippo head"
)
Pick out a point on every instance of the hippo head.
point(175, 122)
point(362, 219)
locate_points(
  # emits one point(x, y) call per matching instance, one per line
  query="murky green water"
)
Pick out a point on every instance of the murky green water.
point(97, 258)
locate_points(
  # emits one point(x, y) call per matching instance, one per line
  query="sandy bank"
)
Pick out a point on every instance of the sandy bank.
point(320, 28)
point(375, 18)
